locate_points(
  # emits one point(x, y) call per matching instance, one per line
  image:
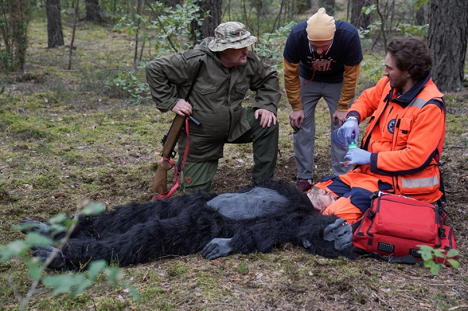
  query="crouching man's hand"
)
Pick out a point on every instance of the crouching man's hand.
point(267, 118)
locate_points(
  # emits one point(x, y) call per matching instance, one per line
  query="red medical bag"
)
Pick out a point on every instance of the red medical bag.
point(395, 226)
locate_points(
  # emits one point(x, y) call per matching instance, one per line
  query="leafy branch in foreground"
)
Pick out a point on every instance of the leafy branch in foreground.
point(430, 255)
point(74, 283)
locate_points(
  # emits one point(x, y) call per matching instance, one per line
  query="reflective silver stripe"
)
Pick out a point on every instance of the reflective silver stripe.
point(418, 102)
point(419, 182)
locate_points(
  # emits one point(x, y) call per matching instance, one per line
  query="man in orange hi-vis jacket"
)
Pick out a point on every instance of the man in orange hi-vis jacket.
point(402, 144)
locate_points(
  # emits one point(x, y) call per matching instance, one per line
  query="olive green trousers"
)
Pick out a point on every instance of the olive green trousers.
point(199, 175)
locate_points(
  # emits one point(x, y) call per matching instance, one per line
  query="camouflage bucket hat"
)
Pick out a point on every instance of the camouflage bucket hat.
point(231, 35)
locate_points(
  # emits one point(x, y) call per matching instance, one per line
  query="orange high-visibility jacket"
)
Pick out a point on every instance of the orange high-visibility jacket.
point(405, 134)
point(353, 193)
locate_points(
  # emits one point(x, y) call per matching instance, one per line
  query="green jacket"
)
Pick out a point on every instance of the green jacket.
point(216, 98)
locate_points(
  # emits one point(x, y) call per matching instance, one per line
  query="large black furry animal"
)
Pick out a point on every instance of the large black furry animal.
point(254, 219)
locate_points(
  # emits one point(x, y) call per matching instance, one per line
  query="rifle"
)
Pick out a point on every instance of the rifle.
point(169, 141)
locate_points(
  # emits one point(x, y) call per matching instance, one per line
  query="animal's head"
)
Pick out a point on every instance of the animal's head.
point(327, 236)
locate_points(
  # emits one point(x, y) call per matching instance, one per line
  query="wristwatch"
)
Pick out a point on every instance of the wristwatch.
point(352, 116)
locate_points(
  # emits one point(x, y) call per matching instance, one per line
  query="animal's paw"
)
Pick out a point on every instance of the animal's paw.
point(30, 225)
point(340, 232)
point(43, 252)
point(217, 247)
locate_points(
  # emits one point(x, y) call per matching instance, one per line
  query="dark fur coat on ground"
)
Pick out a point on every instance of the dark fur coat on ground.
point(141, 232)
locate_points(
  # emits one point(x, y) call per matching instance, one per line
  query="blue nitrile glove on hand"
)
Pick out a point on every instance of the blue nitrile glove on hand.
point(357, 156)
point(338, 138)
point(350, 130)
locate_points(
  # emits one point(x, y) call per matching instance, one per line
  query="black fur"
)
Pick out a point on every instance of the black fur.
point(183, 225)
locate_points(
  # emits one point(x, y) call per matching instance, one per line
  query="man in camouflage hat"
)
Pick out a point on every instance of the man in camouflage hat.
point(231, 35)
point(228, 71)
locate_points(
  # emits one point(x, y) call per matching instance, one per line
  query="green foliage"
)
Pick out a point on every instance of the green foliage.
point(242, 267)
point(271, 46)
point(396, 22)
point(131, 86)
point(430, 254)
point(376, 25)
point(417, 3)
point(170, 33)
point(171, 30)
point(412, 30)
point(73, 283)
point(369, 9)
point(372, 68)
point(363, 35)
point(5, 94)
point(114, 9)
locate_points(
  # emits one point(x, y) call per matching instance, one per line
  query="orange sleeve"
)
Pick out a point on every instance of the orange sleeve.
point(292, 84)
point(348, 90)
point(343, 208)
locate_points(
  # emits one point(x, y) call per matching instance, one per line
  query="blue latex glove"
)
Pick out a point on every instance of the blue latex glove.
point(338, 138)
point(350, 130)
point(357, 156)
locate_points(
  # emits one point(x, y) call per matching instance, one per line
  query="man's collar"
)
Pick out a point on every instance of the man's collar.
point(406, 98)
point(326, 52)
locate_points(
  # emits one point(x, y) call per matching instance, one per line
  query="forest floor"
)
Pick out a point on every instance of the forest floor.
point(65, 138)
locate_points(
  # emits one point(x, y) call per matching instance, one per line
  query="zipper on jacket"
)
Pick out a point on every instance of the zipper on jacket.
point(395, 132)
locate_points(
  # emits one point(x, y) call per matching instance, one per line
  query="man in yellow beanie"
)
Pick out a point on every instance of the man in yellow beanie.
point(322, 59)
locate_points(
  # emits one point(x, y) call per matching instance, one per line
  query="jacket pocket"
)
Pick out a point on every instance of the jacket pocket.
point(403, 129)
point(205, 88)
point(239, 91)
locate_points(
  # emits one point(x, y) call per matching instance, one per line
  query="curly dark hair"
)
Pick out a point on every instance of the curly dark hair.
point(412, 54)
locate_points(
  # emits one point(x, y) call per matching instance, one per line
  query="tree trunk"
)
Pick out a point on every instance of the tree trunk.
point(172, 3)
point(137, 24)
point(211, 19)
point(16, 16)
point(419, 16)
point(447, 39)
point(93, 11)
point(359, 19)
point(329, 6)
point(298, 7)
point(54, 24)
point(75, 17)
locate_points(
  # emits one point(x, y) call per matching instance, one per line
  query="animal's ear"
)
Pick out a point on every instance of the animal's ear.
point(306, 243)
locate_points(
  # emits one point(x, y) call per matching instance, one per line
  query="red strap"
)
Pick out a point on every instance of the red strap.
point(177, 175)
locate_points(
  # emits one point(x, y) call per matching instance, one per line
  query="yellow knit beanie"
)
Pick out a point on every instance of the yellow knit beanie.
point(320, 26)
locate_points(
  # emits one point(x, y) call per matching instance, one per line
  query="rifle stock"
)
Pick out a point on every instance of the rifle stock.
point(169, 141)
